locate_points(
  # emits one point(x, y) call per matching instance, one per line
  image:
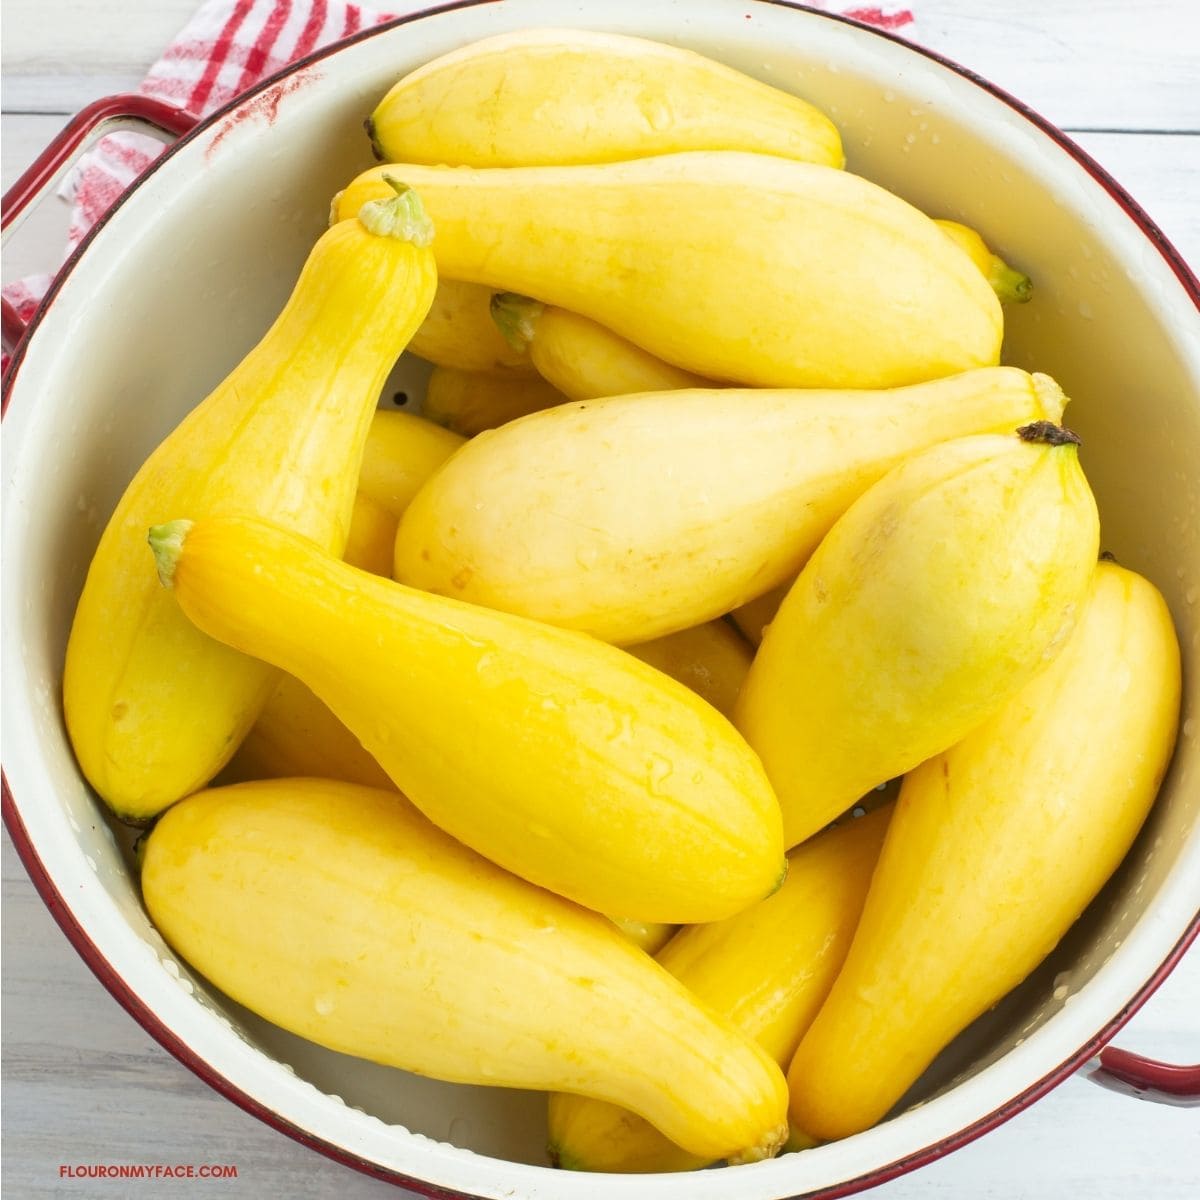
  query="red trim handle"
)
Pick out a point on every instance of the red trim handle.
point(1146, 1078)
point(125, 110)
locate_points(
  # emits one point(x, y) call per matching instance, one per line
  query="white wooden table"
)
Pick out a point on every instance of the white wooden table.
point(84, 1084)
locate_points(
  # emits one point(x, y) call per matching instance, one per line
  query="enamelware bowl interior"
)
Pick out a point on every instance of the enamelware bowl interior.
point(186, 275)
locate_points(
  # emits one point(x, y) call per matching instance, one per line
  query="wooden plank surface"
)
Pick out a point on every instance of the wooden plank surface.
point(84, 1084)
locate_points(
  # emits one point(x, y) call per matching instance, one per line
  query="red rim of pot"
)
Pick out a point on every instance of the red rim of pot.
point(133, 1004)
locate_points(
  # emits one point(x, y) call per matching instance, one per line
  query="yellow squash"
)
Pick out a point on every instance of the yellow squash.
point(767, 970)
point(581, 359)
point(996, 847)
point(401, 453)
point(1010, 285)
point(154, 708)
point(712, 659)
point(363, 928)
point(562, 759)
point(753, 617)
point(648, 936)
point(459, 332)
point(734, 266)
point(939, 594)
point(573, 96)
point(295, 733)
point(468, 402)
point(636, 516)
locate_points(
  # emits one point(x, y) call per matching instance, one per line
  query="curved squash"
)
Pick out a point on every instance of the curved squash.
point(733, 266)
point(363, 928)
point(154, 708)
point(573, 96)
point(996, 848)
point(562, 759)
point(938, 595)
point(581, 359)
point(636, 516)
point(767, 970)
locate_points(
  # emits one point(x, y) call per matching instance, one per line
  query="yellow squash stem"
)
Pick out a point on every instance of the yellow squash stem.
point(153, 707)
point(582, 359)
point(588, 772)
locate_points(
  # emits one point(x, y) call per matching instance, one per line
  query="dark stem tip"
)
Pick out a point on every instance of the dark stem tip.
point(1107, 556)
point(376, 148)
point(1049, 434)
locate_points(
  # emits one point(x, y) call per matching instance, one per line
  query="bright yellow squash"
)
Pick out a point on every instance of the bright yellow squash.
point(938, 595)
point(712, 659)
point(459, 332)
point(734, 266)
point(564, 760)
point(636, 516)
point(154, 708)
point(581, 359)
point(363, 928)
point(573, 96)
point(996, 848)
point(468, 402)
point(295, 733)
point(767, 970)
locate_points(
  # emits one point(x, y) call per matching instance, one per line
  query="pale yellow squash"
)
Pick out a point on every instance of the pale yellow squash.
point(996, 848)
point(636, 516)
point(363, 928)
point(581, 359)
point(767, 970)
point(938, 595)
point(153, 707)
point(459, 332)
point(734, 266)
point(468, 402)
point(562, 759)
point(575, 96)
point(401, 452)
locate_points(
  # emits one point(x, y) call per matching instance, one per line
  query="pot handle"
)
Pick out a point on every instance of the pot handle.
point(126, 111)
point(1145, 1078)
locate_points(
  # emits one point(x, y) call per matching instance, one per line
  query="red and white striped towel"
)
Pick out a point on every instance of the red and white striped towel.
point(226, 48)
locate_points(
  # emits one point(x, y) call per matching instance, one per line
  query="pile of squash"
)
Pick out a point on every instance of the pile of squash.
point(749, 523)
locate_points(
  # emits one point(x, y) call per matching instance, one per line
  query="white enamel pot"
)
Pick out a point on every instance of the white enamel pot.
point(188, 270)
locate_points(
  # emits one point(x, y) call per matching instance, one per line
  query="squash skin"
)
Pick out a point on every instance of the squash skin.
point(501, 102)
point(712, 659)
point(459, 332)
point(362, 927)
point(584, 528)
point(897, 638)
point(996, 848)
point(402, 451)
point(153, 708)
point(468, 402)
point(588, 772)
point(835, 281)
point(767, 969)
point(582, 359)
